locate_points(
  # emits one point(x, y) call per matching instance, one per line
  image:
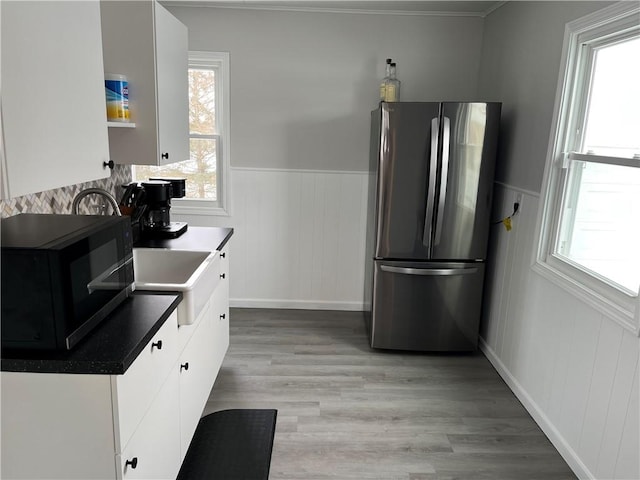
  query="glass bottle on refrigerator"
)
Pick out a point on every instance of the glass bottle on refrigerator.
point(392, 85)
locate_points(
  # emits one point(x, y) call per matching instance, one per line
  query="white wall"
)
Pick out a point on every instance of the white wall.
point(298, 240)
point(575, 369)
point(302, 89)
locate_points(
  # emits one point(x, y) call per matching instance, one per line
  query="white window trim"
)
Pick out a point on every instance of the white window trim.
point(613, 303)
point(222, 207)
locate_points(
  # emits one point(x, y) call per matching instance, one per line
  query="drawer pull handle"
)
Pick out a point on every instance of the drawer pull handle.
point(157, 344)
point(223, 255)
point(223, 316)
point(133, 463)
point(184, 366)
point(165, 155)
point(222, 275)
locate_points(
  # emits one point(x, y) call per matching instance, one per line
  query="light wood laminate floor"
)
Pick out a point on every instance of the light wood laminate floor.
point(348, 412)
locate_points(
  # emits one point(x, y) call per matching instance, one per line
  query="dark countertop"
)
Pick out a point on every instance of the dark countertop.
point(111, 347)
point(195, 238)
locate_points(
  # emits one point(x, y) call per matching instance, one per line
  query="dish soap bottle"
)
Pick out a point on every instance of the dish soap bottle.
point(392, 86)
point(383, 85)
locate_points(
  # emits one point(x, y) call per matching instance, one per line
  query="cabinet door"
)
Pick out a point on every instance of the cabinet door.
point(135, 390)
point(53, 99)
point(56, 426)
point(173, 87)
point(220, 307)
point(154, 449)
point(197, 374)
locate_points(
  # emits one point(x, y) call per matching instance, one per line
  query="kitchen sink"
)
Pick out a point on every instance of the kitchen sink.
point(194, 273)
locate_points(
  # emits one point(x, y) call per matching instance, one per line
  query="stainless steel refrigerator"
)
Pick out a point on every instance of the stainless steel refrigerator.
point(429, 201)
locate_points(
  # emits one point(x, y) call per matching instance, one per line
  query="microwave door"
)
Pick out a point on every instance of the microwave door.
point(99, 281)
point(114, 278)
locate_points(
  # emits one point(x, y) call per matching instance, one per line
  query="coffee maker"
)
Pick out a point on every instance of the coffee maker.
point(149, 204)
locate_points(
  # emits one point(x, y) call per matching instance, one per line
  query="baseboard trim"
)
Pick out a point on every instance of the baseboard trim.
point(295, 304)
point(556, 438)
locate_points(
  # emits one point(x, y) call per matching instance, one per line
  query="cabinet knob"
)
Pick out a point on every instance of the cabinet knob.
point(223, 255)
point(133, 463)
point(157, 344)
point(184, 366)
point(223, 316)
point(165, 155)
point(222, 275)
point(109, 164)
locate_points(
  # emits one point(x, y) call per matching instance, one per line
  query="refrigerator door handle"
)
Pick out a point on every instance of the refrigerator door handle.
point(444, 176)
point(431, 187)
point(429, 271)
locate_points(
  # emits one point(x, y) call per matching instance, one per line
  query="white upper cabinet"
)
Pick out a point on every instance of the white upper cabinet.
point(53, 99)
point(144, 42)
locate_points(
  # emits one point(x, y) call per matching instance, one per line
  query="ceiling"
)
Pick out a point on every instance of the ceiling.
point(394, 7)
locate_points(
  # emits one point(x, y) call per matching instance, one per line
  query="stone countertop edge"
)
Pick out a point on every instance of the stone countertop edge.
point(195, 238)
point(111, 347)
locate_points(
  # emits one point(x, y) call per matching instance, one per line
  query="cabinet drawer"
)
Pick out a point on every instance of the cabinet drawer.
point(135, 390)
point(153, 452)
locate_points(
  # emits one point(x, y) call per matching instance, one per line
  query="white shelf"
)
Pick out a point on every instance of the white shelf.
point(121, 124)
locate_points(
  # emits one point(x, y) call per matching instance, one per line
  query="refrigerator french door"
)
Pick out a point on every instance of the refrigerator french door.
point(430, 194)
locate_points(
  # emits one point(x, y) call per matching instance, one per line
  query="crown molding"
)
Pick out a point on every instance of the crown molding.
point(234, 5)
point(493, 8)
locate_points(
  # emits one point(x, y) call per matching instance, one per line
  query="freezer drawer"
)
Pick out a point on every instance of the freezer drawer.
point(426, 306)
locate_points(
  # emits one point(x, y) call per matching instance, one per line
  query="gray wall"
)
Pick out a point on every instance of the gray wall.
point(520, 64)
point(303, 83)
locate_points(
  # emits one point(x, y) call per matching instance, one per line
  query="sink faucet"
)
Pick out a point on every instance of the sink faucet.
point(96, 191)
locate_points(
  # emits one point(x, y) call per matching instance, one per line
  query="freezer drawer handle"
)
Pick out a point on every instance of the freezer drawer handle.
point(429, 271)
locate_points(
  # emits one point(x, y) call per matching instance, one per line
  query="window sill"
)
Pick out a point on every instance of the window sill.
point(625, 317)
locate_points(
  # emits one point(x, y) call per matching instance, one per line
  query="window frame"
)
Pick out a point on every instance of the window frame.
point(222, 206)
point(594, 30)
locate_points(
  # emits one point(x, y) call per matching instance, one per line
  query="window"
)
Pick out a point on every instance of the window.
point(590, 225)
point(208, 168)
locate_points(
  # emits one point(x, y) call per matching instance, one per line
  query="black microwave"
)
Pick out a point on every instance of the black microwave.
point(61, 276)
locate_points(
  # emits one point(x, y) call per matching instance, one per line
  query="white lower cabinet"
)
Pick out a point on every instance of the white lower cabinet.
point(56, 426)
point(136, 425)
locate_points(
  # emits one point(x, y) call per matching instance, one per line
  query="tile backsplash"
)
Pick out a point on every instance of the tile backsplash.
point(59, 200)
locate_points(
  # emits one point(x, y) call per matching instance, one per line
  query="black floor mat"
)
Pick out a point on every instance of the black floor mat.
point(231, 445)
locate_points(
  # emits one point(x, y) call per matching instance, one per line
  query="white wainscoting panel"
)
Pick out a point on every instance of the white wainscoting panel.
point(299, 238)
point(574, 369)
